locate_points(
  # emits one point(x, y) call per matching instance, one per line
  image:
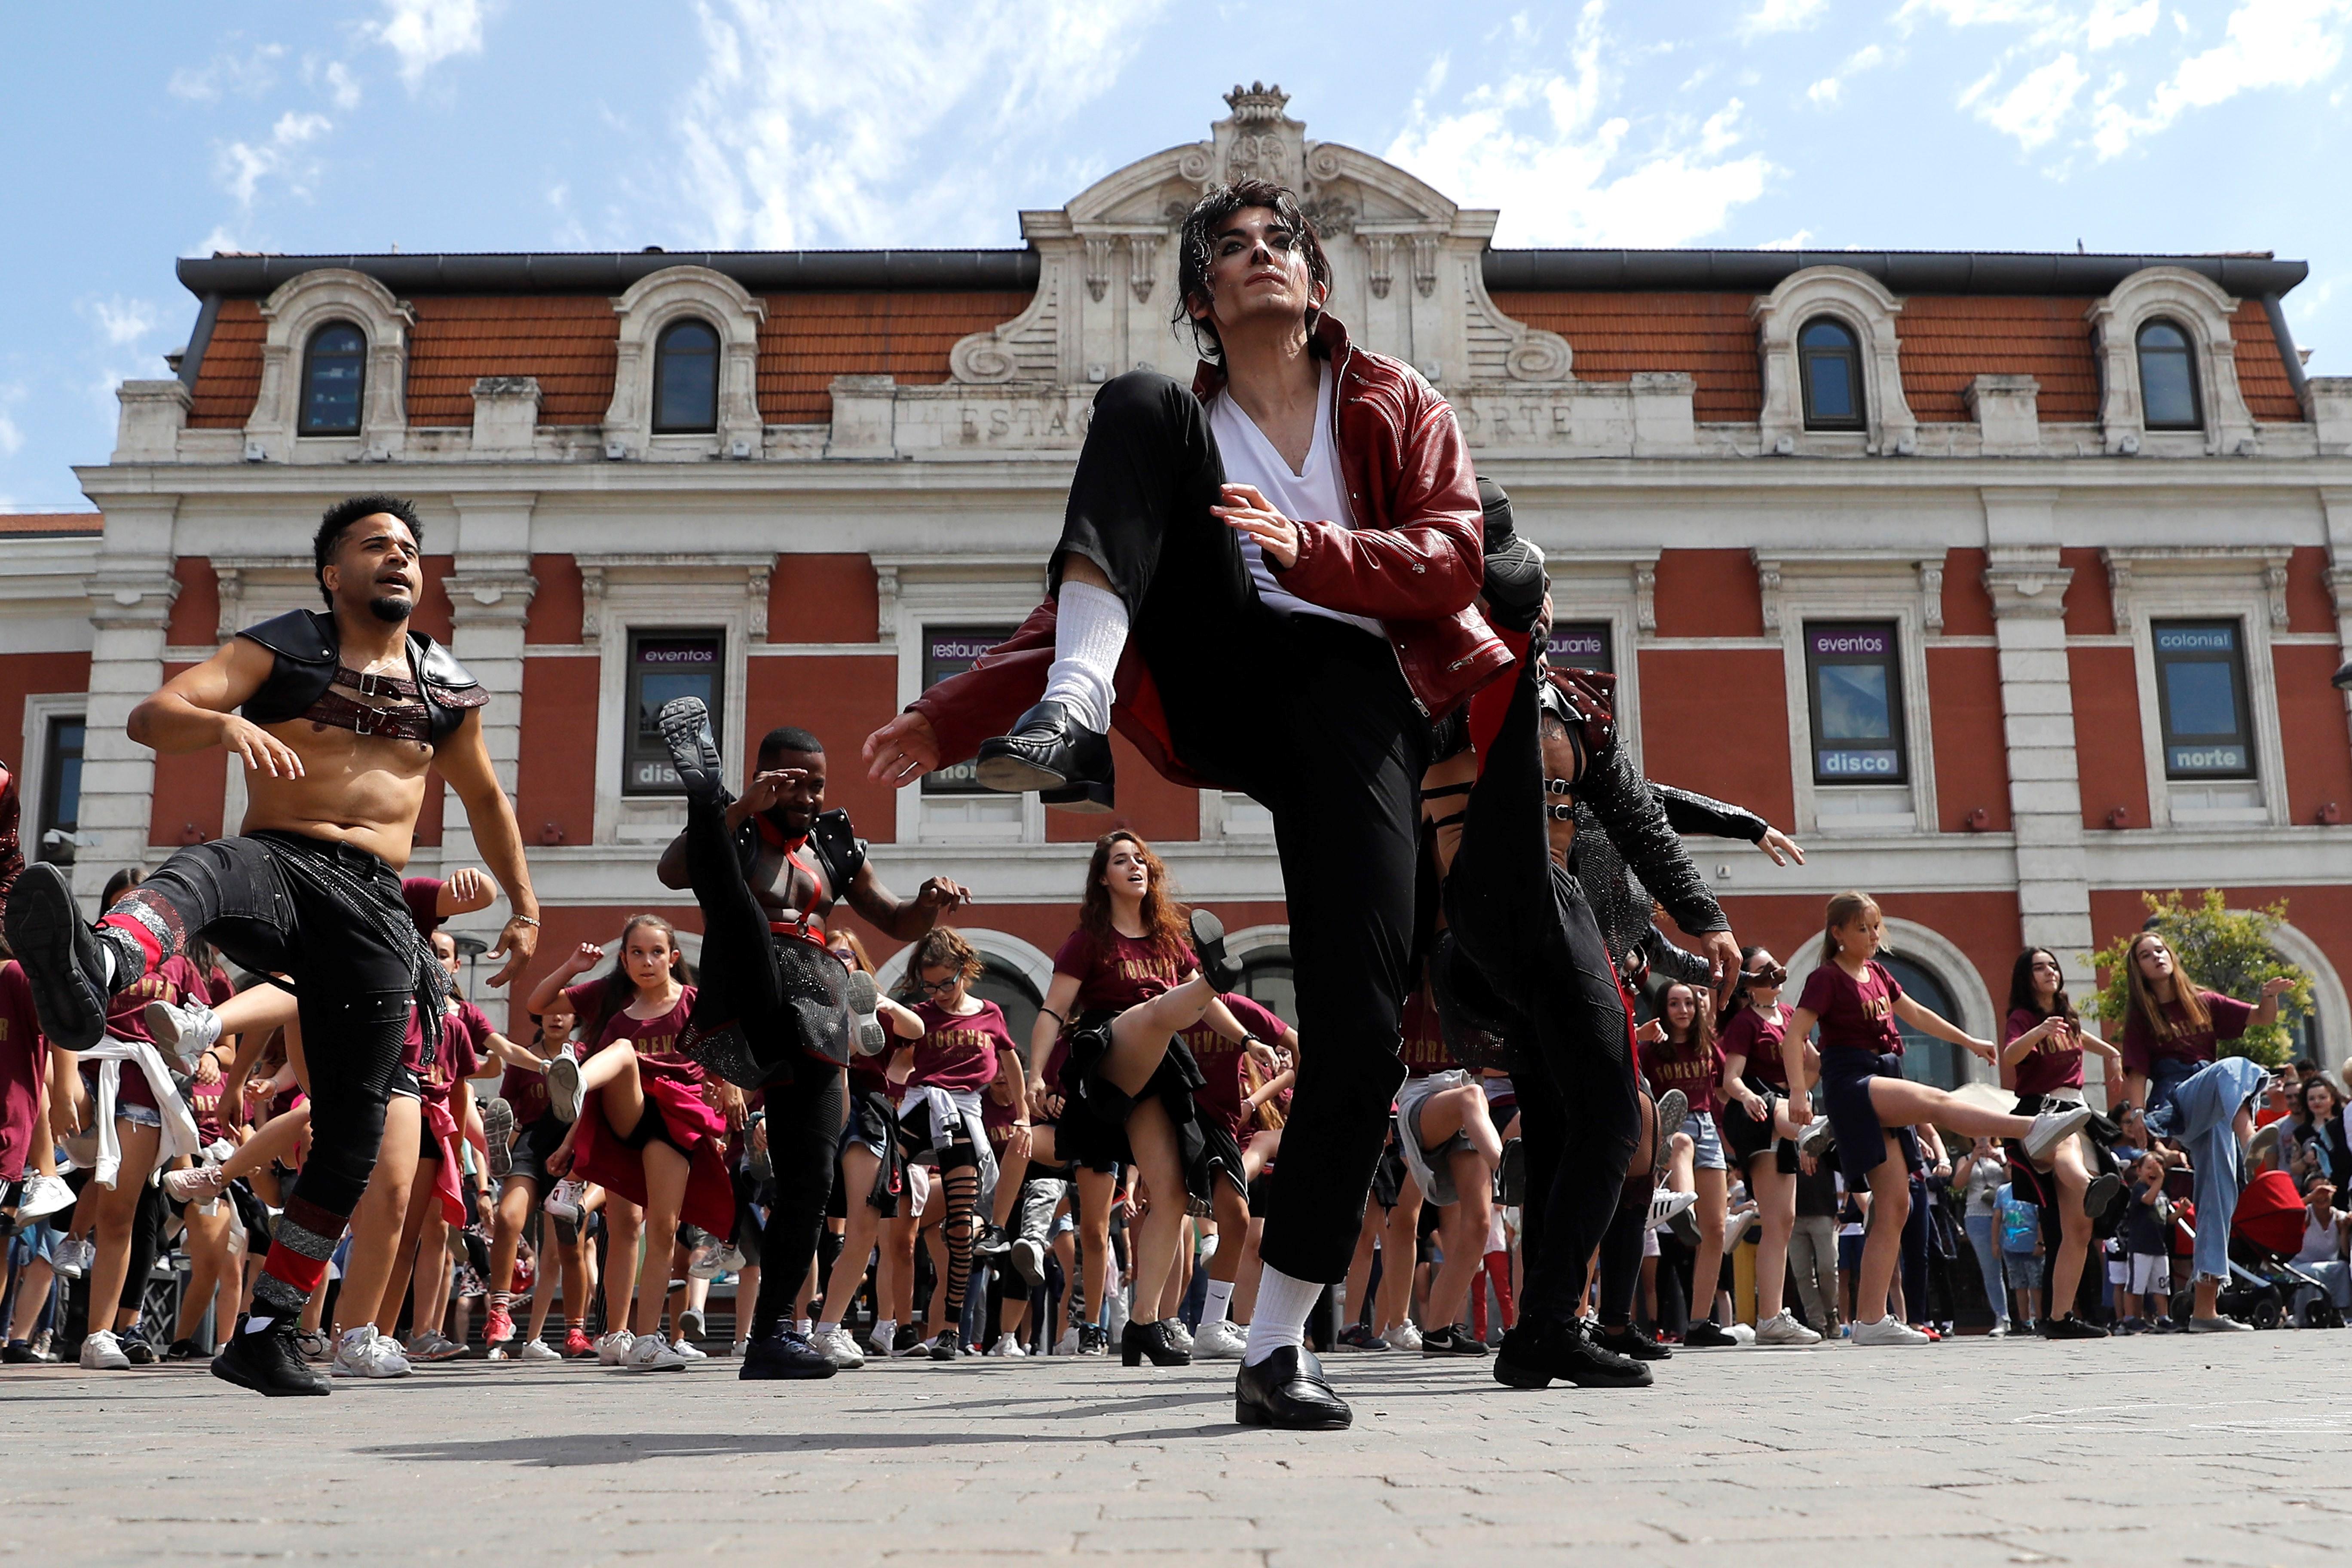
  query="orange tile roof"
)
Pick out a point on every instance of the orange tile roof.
point(1613, 335)
point(51, 524)
point(565, 340)
point(1950, 339)
point(809, 339)
point(229, 378)
point(2262, 373)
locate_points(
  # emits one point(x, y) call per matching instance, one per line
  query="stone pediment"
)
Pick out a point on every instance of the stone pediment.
point(1405, 259)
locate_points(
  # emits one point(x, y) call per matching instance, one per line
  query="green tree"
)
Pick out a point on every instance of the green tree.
point(2223, 950)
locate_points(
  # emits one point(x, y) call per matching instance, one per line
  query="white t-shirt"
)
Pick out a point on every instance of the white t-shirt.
point(1318, 495)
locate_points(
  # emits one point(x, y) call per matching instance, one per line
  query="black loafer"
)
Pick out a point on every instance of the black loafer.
point(1051, 753)
point(1287, 1390)
point(1209, 947)
point(1532, 1358)
point(269, 1362)
point(60, 956)
point(784, 1356)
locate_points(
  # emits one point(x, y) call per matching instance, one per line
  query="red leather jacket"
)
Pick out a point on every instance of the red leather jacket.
point(1413, 562)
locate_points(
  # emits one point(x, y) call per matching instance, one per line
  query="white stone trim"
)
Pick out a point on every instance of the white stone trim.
point(652, 303)
point(2202, 310)
point(32, 772)
point(297, 308)
point(1936, 954)
point(1863, 304)
point(2247, 583)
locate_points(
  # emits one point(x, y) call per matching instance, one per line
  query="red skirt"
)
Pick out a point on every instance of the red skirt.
point(694, 1125)
point(443, 1129)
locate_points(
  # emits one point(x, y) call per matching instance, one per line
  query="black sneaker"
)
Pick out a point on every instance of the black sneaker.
point(1209, 946)
point(1453, 1340)
point(136, 1347)
point(684, 724)
point(948, 1345)
point(62, 958)
point(1050, 751)
point(1359, 1337)
point(2071, 1327)
point(2100, 1195)
point(909, 1336)
point(1627, 1341)
point(784, 1356)
point(268, 1362)
point(1532, 1358)
point(1707, 1334)
point(183, 1349)
point(16, 1353)
point(1511, 1174)
point(991, 1245)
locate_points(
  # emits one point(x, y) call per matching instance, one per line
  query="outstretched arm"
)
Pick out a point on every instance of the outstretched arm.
point(195, 710)
point(1928, 1021)
point(905, 918)
point(465, 762)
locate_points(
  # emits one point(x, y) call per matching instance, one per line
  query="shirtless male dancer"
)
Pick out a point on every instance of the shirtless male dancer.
point(1267, 579)
point(343, 714)
point(777, 1012)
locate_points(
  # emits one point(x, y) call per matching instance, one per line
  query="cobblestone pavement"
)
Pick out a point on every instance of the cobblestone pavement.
point(2134, 1452)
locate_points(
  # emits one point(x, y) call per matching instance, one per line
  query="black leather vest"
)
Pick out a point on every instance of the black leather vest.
point(304, 642)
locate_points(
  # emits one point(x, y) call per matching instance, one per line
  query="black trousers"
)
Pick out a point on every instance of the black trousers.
point(1311, 717)
point(806, 1099)
point(331, 917)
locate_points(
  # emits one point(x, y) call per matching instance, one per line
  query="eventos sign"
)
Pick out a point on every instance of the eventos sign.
point(1866, 642)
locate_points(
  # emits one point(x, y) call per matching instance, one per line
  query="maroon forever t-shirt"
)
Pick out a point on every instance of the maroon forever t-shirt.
point(2141, 1046)
point(1113, 975)
point(1221, 1058)
point(1856, 1015)
point(1688, 1067)
point(959, 1051)
point(2054, 1063)
point(1748, 1033)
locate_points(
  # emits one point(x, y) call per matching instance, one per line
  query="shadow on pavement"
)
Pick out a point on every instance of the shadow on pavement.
point(621, 1448)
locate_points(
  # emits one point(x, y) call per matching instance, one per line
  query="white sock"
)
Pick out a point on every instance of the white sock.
point(801, 1327)
point(1220, 1304)
point(1089, 634)
point(884, 1328)
point(823, 1329)
point(106, 957)
point(1283, 1304)
point(254, 1325)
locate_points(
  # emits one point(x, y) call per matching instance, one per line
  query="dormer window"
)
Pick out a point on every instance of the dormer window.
point(2168, 378)
point(685, 379)
point(334, 380)
point(1829, 364)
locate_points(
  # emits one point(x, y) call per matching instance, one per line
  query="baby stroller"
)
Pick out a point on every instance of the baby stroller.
point(2263, 1286)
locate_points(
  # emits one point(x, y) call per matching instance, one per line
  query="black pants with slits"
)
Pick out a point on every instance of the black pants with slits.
point(1310, 717)
point(806, 1099)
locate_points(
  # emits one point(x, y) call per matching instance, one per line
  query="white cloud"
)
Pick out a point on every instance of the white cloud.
point(424, 33)
point(248, 75)
point(2113, 22)
point(122, 321)
point(1538, 146)
point(1797, 241)
point(12, 436)
point(2266, 43)
point(885, 121)
point(1782, 17)
point(341, 85)
point(1825, 92)
point(244, 165)
point(1829, 89)
point(2033, 110)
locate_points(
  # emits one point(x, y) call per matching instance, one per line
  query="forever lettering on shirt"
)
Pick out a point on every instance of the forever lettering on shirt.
point(2141, 1046)
point(1752, 1034)
point(1856, 1015)
point(1219, 1059)
point(1318, 495)
point(959, 1051)
point(1686, 1068)
point(656, 1040)
point(2055, 1061)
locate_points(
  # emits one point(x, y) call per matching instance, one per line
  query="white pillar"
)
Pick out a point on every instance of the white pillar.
point(489, 586)
point(131, 599)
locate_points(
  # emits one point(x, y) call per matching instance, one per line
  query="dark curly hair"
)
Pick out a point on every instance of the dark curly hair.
point(1207, 219)
point(340, 518)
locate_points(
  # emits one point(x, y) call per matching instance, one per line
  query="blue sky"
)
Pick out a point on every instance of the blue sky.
point(138, 133)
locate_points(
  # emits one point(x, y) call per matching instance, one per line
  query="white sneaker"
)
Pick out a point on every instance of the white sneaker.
point(1222, 1340)
point(1815, 1138)
point(920, 1351)
point(1068, 1343)
point(1009, 1347)
point(563, 1202)
point(612, 1347)
point(194, 1184)
point(2053, 1128)
point(839, 1347)
point(741, 1346)
point(1785, 1329)
point(103, 1352)
point(714, 1258)
point(651, 1352)
point(1403, 1336)
point(1888, 1331)
point(1735, 1229)
point(1666, 1202)
point(691, 1324)
point(1999, 1331)
point(363, 1352)
point(1179, 1335)
point(538, 1350)
point(42, 1195)
point(864, 996)
point(70, 1259)
point(564, 1095)
point(1741, 1333)
point(688, 1350)
point(185, 1032)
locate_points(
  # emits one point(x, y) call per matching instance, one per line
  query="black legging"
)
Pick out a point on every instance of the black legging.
point(745, 983)
point(1620, 1243)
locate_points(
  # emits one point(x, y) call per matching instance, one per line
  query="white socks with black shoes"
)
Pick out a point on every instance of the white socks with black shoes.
point(1220, 1304)
point(1089, 635)
point(1283, 1304)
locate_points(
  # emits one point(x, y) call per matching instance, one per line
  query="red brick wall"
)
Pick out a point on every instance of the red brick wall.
point(1971, 746)
point(824, 599)
point(2090, 607)
point(840, 699)
point(1716, 720)
point(1708, 593)
point(555, 776)
point(195, 614)
point(190, 789)
point(555, 603)
point(23, 675)
point(2312, 727)
point(2107, 755)
point(2310, 607)
point(1968, 608)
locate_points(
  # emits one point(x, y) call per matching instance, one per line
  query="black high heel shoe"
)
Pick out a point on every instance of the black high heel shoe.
point(1139, 1339)
point(1209, 947)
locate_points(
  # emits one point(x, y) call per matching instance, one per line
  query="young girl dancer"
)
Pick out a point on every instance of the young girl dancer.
point(1124, 983)
point(537, 1132)
point(1758, 1135)
point(2041, 1049)
point(959, 1044)
point(643, 1128)
point(1855, 1001)
point(1686, 1057)
point(2173, 1026)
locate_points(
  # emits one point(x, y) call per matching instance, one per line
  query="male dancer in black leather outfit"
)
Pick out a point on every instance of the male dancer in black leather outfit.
point(343, 714)
point(776, 1011)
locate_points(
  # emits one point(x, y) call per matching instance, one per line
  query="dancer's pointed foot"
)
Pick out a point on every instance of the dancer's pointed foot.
point(63, 958)
point(1050, 751)
point(1209, 946)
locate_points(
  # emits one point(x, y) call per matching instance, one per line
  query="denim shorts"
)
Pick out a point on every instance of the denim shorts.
point(1706, 1143)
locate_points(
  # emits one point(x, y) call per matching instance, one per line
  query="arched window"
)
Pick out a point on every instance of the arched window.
point(2168, 378)
point(334, 380)
point(1925, 1058)
point(1269, 979)
point(1007, 986)
point(1829, 364)
point(685, 379)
